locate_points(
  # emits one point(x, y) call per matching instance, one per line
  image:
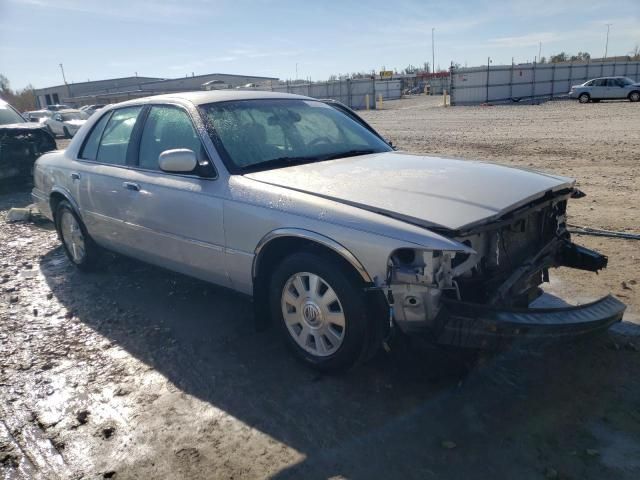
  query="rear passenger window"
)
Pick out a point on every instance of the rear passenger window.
point(115, 139)
point(167, 128)
point(90, 149)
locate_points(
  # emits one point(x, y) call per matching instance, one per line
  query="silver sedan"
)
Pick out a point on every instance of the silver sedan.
point(340, 239)
point(606, 88)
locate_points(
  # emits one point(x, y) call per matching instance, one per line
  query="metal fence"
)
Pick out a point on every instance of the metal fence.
point(352, 93)
point(506, 83)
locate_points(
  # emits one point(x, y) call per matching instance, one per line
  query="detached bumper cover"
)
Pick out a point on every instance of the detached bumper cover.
point(480, 326)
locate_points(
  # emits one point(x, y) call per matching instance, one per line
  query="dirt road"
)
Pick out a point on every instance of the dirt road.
point(135, 372)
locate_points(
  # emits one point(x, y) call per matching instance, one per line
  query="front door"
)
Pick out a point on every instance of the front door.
point(176, 220)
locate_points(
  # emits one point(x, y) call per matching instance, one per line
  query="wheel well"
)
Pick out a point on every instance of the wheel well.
point(276, 250)
point(54, 201)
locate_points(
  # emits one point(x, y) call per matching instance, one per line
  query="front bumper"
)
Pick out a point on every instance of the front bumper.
point(480, 326)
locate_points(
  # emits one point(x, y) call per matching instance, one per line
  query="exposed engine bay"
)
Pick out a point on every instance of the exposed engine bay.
point(512, 259)
point(20, 146)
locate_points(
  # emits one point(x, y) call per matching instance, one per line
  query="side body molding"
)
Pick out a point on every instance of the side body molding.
point(314, 237)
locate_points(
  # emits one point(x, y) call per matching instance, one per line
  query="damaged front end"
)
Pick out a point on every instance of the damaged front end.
point(20, 146)
point(479, 296)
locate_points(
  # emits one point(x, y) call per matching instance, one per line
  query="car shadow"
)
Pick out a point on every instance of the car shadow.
point(391, 418)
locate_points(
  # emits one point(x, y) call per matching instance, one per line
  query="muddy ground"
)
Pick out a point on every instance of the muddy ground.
point(135, 372)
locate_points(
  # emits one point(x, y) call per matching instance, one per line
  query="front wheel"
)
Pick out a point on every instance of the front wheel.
point(584, 98)
point(320, 308)
point(78, 245)
point(634, 96)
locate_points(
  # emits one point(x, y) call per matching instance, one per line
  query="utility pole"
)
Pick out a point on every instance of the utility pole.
point(62, 70)
point(433, 51)
point(65, 81)
point(540, 51)
point(606, 45)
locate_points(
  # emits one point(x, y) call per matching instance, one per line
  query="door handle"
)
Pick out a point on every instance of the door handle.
point(75, 176)
point(131, 186)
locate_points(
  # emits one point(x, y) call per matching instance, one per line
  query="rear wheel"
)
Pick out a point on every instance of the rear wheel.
point(634, 96)
point(584, 98)
point(320, 308)
point(78, 245)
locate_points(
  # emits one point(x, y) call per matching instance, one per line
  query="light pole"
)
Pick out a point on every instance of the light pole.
point(433, 51)
point(65, 81)
point(606, 45)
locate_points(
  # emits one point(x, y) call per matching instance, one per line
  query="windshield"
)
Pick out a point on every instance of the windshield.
point(8, 115)
point(271, 133)
point(73, 116)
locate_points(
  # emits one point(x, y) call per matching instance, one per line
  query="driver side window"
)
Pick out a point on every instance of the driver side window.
point(166, 128)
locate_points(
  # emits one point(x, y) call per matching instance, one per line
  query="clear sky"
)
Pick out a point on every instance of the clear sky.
point(97, 39)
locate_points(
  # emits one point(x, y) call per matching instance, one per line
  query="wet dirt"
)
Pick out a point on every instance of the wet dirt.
point(136, 372)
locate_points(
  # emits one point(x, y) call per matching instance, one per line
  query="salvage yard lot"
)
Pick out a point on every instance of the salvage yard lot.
point(135, 372)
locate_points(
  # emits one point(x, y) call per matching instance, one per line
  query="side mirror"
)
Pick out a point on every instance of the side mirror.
point(178, 160)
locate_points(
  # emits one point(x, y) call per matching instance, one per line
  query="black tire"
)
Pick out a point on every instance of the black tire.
point(634, 96)
point(584, 98)
point(89, 260)
point(66, 132)
point(351, 296)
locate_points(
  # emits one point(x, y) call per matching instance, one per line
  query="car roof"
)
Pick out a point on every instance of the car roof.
point(212, 96)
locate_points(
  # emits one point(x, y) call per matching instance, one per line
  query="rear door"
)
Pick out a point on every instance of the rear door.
point(105, 192)
point(176, 219)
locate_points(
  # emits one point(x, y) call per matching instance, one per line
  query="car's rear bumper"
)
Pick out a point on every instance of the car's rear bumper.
point(480, 326)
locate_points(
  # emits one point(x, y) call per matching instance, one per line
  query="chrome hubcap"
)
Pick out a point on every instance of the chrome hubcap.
point(313, 314)
point(72, 236)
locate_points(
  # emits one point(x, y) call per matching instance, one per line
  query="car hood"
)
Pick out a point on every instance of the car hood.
point(15, 127)
point(428, 191)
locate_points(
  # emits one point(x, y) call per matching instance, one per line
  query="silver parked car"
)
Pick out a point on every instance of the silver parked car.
point(300, 203)
point(606, 88)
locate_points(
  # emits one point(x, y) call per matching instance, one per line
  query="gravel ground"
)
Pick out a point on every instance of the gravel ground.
point(135, 372)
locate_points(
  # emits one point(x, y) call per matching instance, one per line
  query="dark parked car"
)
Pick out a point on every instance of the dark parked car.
point(21, 143)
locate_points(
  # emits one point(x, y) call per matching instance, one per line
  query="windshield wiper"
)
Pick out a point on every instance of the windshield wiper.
point(280, 162)
point(349, 153)
point(289, 161)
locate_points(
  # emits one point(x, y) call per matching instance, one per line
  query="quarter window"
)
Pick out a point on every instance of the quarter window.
point(166, 128)
point(115, 139)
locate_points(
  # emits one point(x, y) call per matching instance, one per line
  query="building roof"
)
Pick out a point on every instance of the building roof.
point(141, 79)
